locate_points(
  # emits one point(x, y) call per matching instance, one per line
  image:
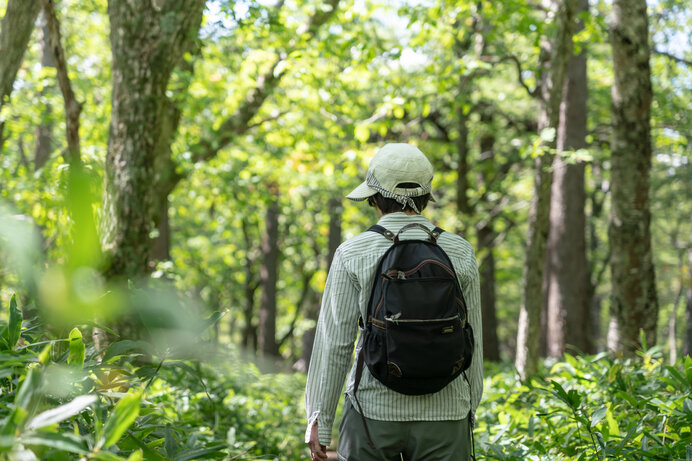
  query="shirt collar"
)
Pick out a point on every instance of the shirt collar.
point(400, 219)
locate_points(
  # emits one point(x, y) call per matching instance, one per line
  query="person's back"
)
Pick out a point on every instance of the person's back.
point(392, 424)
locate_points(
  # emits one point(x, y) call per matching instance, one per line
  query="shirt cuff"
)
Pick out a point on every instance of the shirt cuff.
point(311, 420)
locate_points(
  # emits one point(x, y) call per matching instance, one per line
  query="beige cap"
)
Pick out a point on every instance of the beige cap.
point(392, 165)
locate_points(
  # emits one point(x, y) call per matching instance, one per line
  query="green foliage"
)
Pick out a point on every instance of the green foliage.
point(590, 408)
point(61, 399)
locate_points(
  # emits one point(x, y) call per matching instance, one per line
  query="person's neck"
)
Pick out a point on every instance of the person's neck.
point(408, 212)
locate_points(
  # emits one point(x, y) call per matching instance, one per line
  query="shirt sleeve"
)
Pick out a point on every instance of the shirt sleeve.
point(472, 294)
point(337, 328)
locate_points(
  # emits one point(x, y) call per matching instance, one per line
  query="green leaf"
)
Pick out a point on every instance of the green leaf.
point(76, 353)
point(4, 346)
point(613, 427)
point(208, 452)
point(6, 443)
point(59, 441)
point(170, 444)
point(28, 390)
point(560, 392)
point(136, 456)
point(105, 456)
point(44, 356)
point(14, 325)
point(61, 413)
point(688, 369)
point(362, 133)
point(211, 320)
point(124, 414)
point(121, 347)
point(598, 416)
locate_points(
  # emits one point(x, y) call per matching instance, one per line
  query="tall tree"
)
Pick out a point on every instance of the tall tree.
point(269, 274)
point(72, 107)
point(15, 31)
point(147, 42)
point(634, 303)
point(44, 132)
point(168, 174)
point(486, 250)
point(555, 55)
point(568, 305)
point(687, 340)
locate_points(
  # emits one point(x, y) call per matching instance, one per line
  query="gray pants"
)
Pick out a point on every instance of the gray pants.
point(407, 440)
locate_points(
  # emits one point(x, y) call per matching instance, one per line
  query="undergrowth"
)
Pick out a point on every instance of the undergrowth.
point(61, 399)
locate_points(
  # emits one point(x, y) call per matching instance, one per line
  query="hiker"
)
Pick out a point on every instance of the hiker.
point(380, 423)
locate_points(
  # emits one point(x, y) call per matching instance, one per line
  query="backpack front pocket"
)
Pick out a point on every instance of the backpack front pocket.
point(424, 348)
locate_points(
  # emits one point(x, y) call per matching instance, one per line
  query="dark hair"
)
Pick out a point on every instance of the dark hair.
point(389, 205)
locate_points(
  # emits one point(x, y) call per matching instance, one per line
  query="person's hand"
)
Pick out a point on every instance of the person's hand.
point(318, 452)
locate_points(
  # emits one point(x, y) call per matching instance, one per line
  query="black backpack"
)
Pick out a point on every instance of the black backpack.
point(416, 337)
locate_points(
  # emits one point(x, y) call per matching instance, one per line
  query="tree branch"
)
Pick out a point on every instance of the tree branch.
point(672, 57)
point(72, 107)
point(239, 123)
point(517, 64)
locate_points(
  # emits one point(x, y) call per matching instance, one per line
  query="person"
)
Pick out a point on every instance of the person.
point(420, 427)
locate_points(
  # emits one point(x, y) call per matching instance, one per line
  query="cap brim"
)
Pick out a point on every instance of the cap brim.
point(361, 192)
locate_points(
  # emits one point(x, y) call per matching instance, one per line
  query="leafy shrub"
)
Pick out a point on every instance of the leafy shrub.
point(62, 400)
point(590, 408)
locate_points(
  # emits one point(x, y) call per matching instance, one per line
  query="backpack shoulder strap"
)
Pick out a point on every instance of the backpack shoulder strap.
point(389, 235)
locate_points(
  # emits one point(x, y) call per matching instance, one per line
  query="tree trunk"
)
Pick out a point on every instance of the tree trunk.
point(634, 304)
point(595, 273)
point(486, 244)
point(250, 286)
point(555, 56)
point(462, 145)
point(15, 31)
point(269, 276)
point(44, 132)
point(687, 340)
point(568, 306)
point(164, 30)
point(486, 269)
point(161, 246)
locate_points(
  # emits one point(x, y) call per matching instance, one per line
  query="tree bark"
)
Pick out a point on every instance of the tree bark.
point(15, 31)
point(250, 285)
point(486, 248)
point(44, 132)
point(486, 269)
point(269, 276)
point(147, 41)
point(634, 304)
point(568, 306)
point(555, 56)
point(595, 273)
point(687, 340)
point(462, 145)
point(72, 107)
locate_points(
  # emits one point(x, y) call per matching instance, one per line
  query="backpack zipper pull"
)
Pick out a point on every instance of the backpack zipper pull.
point(394, 318)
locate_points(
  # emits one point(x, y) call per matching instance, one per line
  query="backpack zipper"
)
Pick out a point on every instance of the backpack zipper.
point(396, 319)
point(401, 275)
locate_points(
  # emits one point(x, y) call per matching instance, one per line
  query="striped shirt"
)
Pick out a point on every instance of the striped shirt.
point(345, 299)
